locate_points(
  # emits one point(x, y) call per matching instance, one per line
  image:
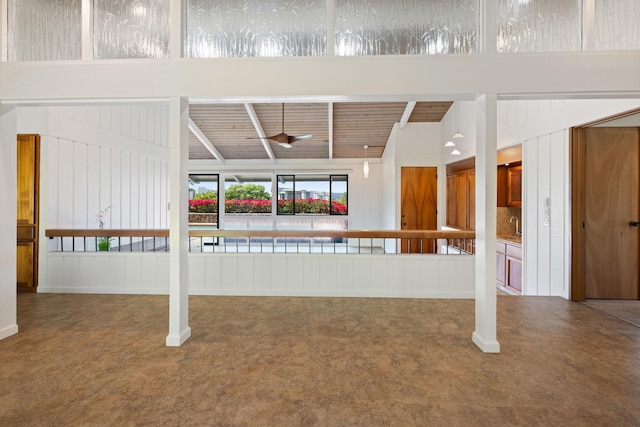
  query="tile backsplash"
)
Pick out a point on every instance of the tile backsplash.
point(503, 226)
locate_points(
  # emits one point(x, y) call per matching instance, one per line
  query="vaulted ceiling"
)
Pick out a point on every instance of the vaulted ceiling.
point(340, 130)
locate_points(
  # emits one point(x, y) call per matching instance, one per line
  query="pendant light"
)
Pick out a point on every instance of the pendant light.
point(457, 134)
point(365, 165)
point(455, 152)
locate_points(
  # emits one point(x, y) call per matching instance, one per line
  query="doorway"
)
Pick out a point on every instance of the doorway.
point(605, 214)
point(418, 206)
point(27, 212)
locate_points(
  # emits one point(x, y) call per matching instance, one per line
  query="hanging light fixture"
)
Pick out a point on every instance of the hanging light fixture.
point(455, 152)
point(450, 144)
point(457, 134)
point(365, 165)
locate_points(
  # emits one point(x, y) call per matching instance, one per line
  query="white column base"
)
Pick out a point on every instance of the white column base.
point(485, 346)
point(8, 331)
point(178, 340)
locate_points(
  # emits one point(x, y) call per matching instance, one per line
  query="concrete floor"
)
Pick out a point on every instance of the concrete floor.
point(101, 360)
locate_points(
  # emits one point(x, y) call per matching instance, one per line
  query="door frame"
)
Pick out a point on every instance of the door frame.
point(577, 176)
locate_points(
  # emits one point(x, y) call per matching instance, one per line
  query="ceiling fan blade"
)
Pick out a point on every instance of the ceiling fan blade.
point(302, 137)
point(285, 144)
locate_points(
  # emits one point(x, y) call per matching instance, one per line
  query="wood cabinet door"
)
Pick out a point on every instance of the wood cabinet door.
point(500, 268)
point(471, 200)
point(513, 273)
point(419, 206)
point(27, 212)
point(514, 187)
point(452, 198)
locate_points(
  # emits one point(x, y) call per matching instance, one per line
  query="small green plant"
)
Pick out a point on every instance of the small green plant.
point(104, 243)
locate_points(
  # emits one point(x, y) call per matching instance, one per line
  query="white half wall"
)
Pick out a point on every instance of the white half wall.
point(8, 189)
point(326, 275)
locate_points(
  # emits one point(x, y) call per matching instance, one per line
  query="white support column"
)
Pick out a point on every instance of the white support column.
point(486, 200)
point(8, 180)
point(179, 330)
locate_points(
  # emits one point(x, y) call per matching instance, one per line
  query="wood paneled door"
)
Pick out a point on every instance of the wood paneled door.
point(606, 183)
point(27, 212)
point(418, 206)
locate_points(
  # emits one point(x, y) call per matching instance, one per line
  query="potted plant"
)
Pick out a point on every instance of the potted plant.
point(104, 243)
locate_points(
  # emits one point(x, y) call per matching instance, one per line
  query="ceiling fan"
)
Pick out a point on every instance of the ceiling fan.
point(285, 140)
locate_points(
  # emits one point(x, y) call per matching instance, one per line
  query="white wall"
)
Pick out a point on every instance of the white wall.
point(542, 128)
point(8, 188)
point(93, 157)
point(406, 276)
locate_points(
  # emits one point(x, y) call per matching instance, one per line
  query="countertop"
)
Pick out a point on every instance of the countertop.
point(510, 239)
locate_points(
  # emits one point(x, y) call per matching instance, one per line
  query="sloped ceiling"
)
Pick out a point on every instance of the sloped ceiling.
point(232, 133)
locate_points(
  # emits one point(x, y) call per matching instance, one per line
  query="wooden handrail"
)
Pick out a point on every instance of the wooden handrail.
point(373, 234)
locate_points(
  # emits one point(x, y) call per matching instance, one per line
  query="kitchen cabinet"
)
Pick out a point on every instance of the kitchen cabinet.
point(510, 185)
point(461, 200)
point(509, 265)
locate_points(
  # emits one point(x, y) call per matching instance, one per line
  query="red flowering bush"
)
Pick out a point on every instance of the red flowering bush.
point(247, 206)
point(203, 206)
point(311, 206)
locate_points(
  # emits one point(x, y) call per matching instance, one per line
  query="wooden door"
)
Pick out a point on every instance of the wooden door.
point(611, 204)
point(27, 212)
point(419, 206)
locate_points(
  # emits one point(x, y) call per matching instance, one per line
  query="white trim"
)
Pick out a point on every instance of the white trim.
point(197, 132)
point(8, 331)
point(4, 30)
point(87, 30)
point(588, 25)
point(407, 113)
point(256, 124)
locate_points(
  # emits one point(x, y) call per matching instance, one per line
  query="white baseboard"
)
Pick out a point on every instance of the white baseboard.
point(8, 331)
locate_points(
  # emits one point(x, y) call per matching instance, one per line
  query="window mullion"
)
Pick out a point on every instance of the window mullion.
point(87, 30)
point(4, 30)
point(588, 25)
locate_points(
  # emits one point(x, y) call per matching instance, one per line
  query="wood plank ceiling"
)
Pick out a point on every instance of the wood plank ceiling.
point(231, 132)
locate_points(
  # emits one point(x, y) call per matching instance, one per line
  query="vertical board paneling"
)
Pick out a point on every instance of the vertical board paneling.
point(151, 123)
point(125, 189)
point(133, 272)
point(149, 272)
point(105, 117)
point(212, 268)
point(544, 184)
point(245, 272)
point(142, 192)
point(80, 114)
point(558, 228)
point(105, 183)
point(328, 276)
point(278, 276)
point(530, 221)
point(116, 119)
point(164, 195)
point(135, 191)
point(65, 182)
point(362, 274)
point(80, 187)
point(345, 274)
point(395, 274)
point(429, 278)
point(142, 111)
point(295, 273)
point(126, 120)
point(93, 185)
point(229, 273)
point(261, 272)
point(311, 274)
point(379, 275)
point(116, 193)
point(412, 275)
point(50, 151)
point(93, 116)
point(446, 273)
point(150, 192)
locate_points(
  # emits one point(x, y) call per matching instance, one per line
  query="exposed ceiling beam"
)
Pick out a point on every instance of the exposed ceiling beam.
point(330, 130)
point(407, 113)
point(193, 127)
point(256, 124)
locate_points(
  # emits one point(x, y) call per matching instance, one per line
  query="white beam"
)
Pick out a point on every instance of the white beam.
point(179, 330)
point(330, 130)
point(485, 335)
point(197, 132)
point(407, 113)
point(256, 124)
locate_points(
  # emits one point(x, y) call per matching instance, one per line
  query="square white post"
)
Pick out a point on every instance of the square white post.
point(484, 335)
point(179, 330)
point(9, 182)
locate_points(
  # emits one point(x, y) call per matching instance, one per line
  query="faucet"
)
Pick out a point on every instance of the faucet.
point(518, 233)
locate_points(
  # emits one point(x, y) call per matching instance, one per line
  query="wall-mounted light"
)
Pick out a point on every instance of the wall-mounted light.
point(365, 165)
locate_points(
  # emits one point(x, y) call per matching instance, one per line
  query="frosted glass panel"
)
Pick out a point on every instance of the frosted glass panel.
point(400, 27)
point(231, 28)
point(130, 29)
point(539, 25)
point(617, 24)
point(42, 30)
